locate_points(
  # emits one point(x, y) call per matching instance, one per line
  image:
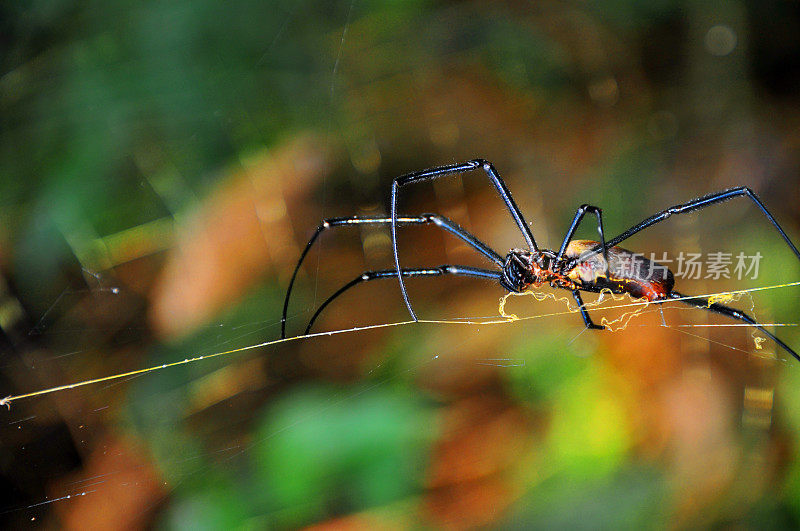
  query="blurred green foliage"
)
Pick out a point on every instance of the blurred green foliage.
point(350, 449)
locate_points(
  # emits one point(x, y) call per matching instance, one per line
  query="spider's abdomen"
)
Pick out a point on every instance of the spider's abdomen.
point(628, 272)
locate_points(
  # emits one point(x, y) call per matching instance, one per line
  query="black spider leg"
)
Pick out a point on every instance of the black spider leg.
point(705, 303)
point(417, 272)
point(424, 219)
point(697, 204)
point(441, 171)
point(587, 320)
point(579, 215)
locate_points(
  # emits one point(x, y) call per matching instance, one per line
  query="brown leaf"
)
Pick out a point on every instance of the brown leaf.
point(239, 233)
point(112, 469)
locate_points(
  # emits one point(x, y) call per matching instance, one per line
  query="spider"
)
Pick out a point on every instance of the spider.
point(578, 265)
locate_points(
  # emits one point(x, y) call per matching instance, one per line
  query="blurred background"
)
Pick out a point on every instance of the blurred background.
point(162, 166)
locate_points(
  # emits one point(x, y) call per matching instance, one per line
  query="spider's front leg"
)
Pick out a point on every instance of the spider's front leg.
point(366, 276)
point(352, 221)
point(442, 171)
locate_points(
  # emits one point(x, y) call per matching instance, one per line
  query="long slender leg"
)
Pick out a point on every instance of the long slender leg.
point(424, 219)
point(418, 272)
point(581, 212)
point(587, 320)
point(703, 302)
point(441, 171)
point(697, 204)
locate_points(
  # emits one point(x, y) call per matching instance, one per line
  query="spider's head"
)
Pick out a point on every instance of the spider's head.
point(520, 269)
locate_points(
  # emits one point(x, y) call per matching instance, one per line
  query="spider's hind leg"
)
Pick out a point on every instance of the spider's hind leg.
point(706, 304)
point(587, 319)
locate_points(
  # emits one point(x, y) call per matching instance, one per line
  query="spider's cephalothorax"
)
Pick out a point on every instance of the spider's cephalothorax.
point(579, 265)
point(523, 269)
